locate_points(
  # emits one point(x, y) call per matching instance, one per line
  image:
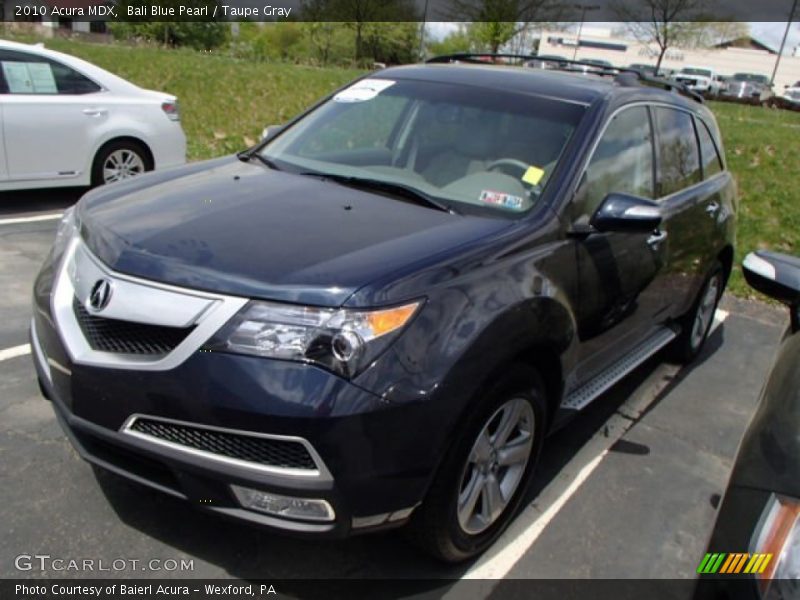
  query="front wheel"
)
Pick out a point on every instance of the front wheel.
point(484, 476)
point(118, 161)
point(696, 324)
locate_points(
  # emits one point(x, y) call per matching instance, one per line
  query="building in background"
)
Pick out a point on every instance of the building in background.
point(49, 26)
point(742, 55)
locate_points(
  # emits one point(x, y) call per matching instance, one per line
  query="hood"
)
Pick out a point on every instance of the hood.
point(244, 229)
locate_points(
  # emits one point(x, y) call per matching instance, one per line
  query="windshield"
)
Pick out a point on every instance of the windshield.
point(470, 148)
point(750, 77)
point(692, 71)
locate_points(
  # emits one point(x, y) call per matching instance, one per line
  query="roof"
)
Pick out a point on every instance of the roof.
point(746, 42)
point(571, 87)
point(561, 85)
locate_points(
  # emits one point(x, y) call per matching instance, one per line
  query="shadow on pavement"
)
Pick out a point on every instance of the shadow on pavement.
point(30, 202)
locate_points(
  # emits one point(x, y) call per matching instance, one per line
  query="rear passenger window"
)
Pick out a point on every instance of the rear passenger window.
point(678, 156)
point(708, 151)
point(24, 73)
point(622, 161)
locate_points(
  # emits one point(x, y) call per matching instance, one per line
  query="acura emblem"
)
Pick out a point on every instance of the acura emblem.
point(100, 294)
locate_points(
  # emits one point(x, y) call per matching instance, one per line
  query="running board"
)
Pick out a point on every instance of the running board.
point(583, 395)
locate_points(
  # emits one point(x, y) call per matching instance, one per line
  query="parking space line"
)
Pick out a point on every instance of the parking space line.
point(15, 351)
point(32, 219)
point(528, 526)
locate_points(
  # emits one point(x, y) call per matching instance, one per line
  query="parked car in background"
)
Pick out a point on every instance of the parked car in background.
point(375, 316)
point(546, 61)
point(643, 68)
point(750, 88)
point(790, 98)
point(702, 80)
point(66, 122)
point(756, 540)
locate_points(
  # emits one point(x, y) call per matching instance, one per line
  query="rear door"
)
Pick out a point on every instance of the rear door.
point(51, 116)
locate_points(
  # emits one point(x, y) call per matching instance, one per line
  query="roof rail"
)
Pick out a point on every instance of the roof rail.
point(620, 73)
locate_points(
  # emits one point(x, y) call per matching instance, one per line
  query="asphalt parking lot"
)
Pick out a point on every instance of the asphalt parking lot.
point(628, 490)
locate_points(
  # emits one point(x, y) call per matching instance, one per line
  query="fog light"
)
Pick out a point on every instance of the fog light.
point(307, 509)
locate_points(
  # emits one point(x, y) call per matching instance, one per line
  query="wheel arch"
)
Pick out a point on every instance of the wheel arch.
point(130, 139)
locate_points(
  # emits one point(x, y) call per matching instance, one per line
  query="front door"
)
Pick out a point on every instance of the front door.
point(618, 272)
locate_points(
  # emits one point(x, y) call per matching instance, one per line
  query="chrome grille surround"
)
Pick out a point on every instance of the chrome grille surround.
point(220, 441)
point(134, 301)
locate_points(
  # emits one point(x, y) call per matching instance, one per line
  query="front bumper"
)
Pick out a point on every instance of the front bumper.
point(370, 465)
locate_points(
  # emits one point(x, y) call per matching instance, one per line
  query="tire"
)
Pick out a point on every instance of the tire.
point(454, 535)
point(696, 324)
point(132, 159)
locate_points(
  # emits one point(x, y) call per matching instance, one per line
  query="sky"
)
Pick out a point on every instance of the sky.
point(768, 33)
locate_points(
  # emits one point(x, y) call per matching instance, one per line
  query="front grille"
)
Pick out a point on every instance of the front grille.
point(127, 337)
point(286, 454)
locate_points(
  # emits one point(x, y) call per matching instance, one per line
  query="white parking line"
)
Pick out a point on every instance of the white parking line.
point(33, 219)
point(15, 351)
point(528, 526)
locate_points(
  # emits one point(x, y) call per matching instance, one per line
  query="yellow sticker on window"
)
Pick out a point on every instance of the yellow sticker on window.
point(533, 175)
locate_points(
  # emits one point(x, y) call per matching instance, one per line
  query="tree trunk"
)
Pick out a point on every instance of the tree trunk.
point(660, 58)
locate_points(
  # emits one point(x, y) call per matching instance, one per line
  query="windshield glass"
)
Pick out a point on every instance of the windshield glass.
point(473, 149)
point(750, 77)
point(700, 72)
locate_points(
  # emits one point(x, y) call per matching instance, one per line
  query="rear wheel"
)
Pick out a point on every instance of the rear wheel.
point(696, 324)
point(484, 476)
point(120, 160)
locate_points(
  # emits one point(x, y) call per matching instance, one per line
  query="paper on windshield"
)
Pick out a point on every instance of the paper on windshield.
point(533, 175)
point(29, 78)
point(363, 90)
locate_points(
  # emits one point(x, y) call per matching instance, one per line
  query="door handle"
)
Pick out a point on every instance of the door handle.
point(654, 241)
point(95, 112)
point(712, 208)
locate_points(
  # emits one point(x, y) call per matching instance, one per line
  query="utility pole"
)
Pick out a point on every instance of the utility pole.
point(584, 8)
point(422, 32)
point(783, 43)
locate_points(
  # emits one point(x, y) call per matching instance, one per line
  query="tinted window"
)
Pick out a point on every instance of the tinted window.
point(708, 151)
point(622, 162)
point(678, 156)
point(24, 73)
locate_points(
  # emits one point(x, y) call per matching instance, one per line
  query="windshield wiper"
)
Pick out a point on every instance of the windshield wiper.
point(392, 187)
point(248, 155)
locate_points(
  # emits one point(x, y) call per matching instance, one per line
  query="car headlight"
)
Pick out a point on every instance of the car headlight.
point(778, 534)
point(342, 340)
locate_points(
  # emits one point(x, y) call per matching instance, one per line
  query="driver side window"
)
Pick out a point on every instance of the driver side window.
point(622, 161)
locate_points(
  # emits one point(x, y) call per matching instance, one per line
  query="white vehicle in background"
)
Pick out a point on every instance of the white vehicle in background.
point(702, 80)
point(65, 122)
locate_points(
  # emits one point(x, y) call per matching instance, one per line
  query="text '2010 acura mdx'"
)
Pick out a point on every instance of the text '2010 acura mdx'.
point(375, 316)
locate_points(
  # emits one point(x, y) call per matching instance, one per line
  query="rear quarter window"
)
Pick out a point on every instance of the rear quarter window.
point(709, 154)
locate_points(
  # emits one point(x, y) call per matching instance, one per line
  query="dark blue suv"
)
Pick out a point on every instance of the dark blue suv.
point(376, 315)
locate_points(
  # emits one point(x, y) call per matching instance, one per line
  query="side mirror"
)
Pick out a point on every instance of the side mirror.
point(773, 274)
point(270, 131)
point(626, 213)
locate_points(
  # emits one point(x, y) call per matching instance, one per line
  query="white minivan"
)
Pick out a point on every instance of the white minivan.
point(65, 122)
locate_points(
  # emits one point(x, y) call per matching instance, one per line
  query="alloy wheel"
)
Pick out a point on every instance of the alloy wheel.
point(122, 164)
point(495, 466)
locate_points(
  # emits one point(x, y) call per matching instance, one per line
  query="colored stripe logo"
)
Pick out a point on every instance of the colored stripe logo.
point(732, 563)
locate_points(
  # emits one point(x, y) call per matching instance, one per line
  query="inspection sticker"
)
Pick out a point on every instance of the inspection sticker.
point(366, 89)
point(501, 199)
point(533, 175)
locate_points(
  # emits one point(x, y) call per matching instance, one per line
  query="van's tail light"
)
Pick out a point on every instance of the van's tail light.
point(777, 539)
point(172, 110)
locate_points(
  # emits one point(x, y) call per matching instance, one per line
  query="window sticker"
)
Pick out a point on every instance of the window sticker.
point(533, 175)
point(363, 90)
point(29, 78)
point(501, 199)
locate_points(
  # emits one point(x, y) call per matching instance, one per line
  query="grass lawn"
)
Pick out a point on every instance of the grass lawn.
point(763, 151)
point(227, 102)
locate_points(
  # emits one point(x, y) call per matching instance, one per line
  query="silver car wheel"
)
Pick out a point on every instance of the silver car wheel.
point(122, 164)
point(495, 465)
